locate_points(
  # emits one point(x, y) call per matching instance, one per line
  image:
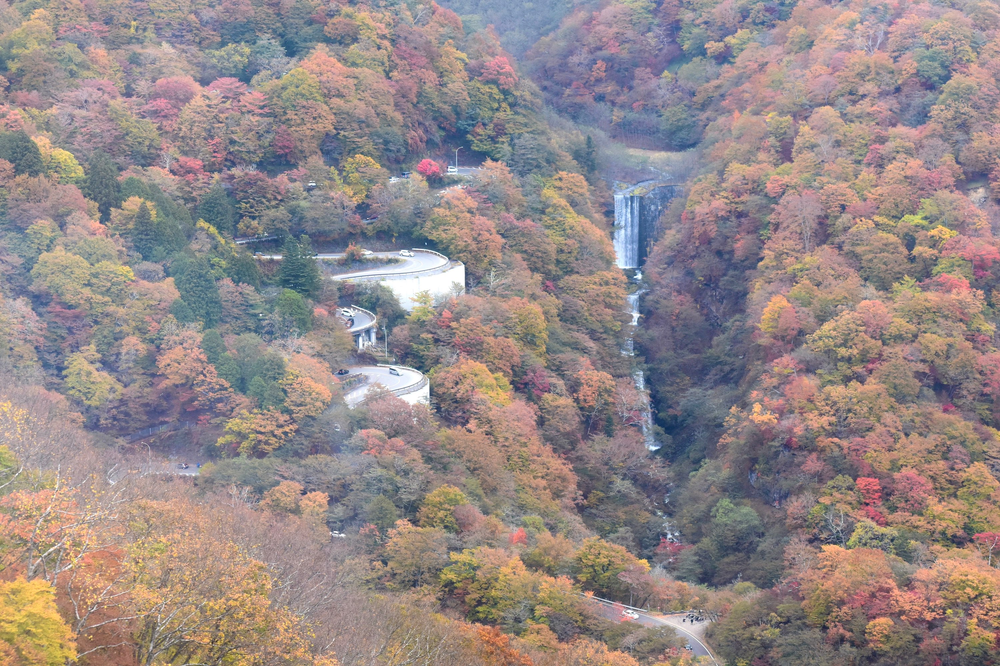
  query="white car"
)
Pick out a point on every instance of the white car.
point(367, 253)
point(631, 614)
point(405, 253)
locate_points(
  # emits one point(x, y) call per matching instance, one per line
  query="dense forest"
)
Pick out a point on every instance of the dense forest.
point(819, 333)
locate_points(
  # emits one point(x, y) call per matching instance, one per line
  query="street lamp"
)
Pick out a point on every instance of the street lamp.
point(456, 158)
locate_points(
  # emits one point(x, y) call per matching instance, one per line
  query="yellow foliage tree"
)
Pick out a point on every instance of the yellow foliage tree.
point(31, 631)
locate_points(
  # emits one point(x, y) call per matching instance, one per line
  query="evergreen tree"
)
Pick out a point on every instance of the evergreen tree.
point(229, 370)
point(18, 149)
point(243, 269)
point(168, 233)
point(299, 271)
point(134, 187)
point(589, 162)
point(101, 184)
point(144, 232)
point(196, 285)
point(167, 207)
point(217, 209)
point(292, 306)
point(381, 512)
point(182, 311)
point(267, 393)
point(213, 346)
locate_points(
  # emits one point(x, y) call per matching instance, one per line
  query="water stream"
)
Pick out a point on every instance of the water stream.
point(629, 236)
point(637, 212)
point(637, 374)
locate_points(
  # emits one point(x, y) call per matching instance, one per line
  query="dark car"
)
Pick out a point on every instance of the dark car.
point(343, 371)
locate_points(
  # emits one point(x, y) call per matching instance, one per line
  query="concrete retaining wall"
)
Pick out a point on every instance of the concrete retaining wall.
point(441, 283)
point(417, 396)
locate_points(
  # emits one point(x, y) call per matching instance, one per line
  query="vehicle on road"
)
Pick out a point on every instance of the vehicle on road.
point(631, 614)
point(406, 253)
point(342, 372)
point(367, 253)
point(687, 646)
point(347, 312)
point(396, 372)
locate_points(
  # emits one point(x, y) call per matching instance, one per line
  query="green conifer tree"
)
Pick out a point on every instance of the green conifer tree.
point(196, 285)
point(182, 311)
point(243, 269)
point(144, 232)
point(18, 149)
point(267, 393)
point(217, 209)
point(134, 187)
point(101, 184)
point(291, 305)
point(299, 271)
point(229, 370)
point(168, 233)
point(213, 346)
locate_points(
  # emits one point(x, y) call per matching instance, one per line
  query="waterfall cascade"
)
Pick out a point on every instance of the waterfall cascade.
point(626, 238)
point(637, 211)
point(637, 375)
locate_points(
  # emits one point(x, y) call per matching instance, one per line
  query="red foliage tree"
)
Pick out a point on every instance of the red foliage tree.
point(429, 169)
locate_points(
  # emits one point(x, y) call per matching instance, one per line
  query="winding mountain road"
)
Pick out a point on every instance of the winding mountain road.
point(363, 319)
point(406, 381)
point(693, 632)
point(421, 261)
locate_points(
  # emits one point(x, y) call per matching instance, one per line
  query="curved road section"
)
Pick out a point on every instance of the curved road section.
point(693, 632)
point(421, 261)
point(362, 324)
point(363, 320)
point(407, 381)
point(407, 277)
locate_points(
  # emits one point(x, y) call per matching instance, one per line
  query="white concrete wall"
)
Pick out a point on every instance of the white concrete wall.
point(420, 396)
point(440, 283)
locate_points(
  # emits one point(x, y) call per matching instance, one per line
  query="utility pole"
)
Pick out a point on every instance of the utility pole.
point(456, 158)
point(385, 335)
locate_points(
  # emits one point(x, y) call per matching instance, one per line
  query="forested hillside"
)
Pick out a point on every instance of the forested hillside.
point(138, 142)
point(821, 327)
point(819, 333)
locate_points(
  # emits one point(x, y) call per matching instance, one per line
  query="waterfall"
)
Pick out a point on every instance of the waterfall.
point(632, 235)
point(626, 232)
point(637, 212)
point(637, 375)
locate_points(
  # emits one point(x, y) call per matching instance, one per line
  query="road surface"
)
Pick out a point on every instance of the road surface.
point(362, 320)
point(380, 374)
point(693, 633)
point(422, 260)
